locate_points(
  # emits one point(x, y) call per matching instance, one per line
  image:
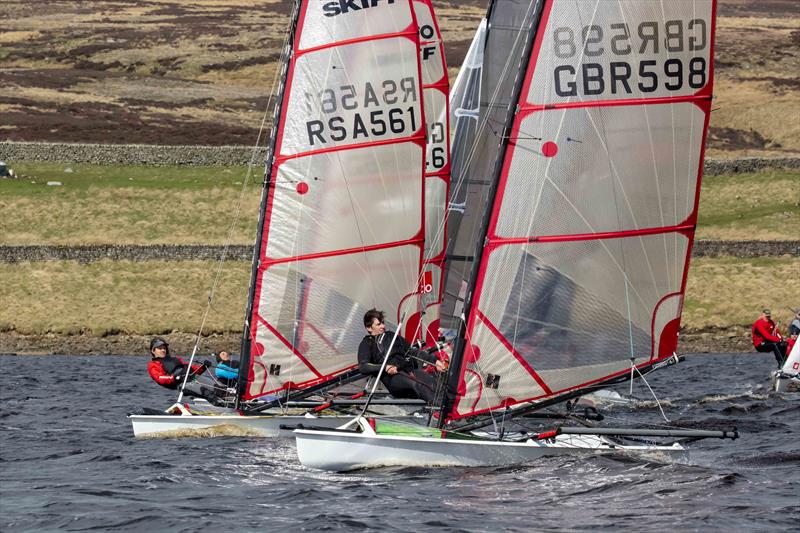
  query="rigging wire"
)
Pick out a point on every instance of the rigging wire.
point(233, 225)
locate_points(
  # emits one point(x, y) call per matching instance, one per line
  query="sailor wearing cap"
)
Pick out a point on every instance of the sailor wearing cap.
point(767, 338)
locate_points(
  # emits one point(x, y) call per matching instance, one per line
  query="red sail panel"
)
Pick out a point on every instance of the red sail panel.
point(423, 312)
point(344, 214)
point(587, 251)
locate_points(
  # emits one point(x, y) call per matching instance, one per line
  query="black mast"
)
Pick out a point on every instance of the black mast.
point(454, 371)
point(244, 363)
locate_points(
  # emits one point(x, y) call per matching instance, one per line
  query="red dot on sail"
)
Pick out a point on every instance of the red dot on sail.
point(302, 188)
point(549, 149)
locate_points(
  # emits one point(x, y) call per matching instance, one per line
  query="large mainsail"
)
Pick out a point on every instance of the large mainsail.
point(342, 226)
point(584, 252)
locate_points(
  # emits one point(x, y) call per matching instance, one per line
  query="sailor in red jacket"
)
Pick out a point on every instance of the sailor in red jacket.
point(166, 370)
point(767, 338)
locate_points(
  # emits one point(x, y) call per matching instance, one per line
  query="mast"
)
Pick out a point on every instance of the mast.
point(244, 357)
point(453, 375)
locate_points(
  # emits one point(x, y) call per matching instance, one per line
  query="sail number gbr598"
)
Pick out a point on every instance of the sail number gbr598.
point(351, 113)
point(635, 59)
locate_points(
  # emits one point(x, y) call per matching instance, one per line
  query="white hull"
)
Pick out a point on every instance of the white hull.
point(787, 379)
point(342, 451)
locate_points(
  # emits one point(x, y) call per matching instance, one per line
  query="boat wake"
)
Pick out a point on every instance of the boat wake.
point(222, 430)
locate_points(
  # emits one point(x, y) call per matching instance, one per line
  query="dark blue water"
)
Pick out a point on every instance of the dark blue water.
point(68, 462)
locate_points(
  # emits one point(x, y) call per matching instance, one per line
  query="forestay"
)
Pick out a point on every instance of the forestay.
point(343, 212)
point(583, 270)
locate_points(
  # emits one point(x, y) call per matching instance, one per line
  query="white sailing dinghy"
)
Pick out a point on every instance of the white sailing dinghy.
point(358, 167)
point(787, 378)
point(571, 240)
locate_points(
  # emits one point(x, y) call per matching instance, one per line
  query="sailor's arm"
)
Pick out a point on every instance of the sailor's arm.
point(364, 365)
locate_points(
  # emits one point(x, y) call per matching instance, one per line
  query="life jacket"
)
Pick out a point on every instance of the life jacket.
point(170, 364)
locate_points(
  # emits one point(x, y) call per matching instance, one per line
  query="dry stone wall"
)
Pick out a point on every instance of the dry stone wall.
point(151, 155)
point(200, 252)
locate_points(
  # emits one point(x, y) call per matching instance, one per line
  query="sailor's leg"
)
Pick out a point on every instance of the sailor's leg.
point(425, 386)
point(401, 385)
point(775, 347)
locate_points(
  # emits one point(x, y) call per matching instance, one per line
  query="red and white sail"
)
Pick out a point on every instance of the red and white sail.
point(423, 312)
point(584, 266)
point(344, 213)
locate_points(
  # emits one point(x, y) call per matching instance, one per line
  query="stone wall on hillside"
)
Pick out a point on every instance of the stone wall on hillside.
point(202, 252)
point(130, 154)
point(150, 155)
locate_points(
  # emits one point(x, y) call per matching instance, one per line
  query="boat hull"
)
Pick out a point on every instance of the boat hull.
point(341, 451)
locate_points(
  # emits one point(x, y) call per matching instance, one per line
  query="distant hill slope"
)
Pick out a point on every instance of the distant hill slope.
point(189, 72)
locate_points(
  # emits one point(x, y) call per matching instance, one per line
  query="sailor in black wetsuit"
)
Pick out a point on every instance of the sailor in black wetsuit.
point(402, 376)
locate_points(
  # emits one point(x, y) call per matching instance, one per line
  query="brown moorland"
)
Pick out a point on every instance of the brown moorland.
point(202, 71)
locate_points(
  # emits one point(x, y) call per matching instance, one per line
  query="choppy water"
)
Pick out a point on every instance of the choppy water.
point(68, 461)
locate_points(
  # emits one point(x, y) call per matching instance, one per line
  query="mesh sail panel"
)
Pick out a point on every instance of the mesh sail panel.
point(328, 201)
point(316, 330)
point(477, 149)
point(638, 162)
point(584, 261)
point(343, 220)
point(570, 313)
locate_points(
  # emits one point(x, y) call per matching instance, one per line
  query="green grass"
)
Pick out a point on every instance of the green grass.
point(730, 292)
point(110, 297)
point(127, 205)
point(178, 205)
point(758, 206)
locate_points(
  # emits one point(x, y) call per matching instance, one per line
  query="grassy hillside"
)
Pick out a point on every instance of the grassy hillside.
point(202, 71)
point(184, 205)
point(148, 205)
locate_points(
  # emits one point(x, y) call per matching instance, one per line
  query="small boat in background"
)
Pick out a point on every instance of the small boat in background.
point(787, 378)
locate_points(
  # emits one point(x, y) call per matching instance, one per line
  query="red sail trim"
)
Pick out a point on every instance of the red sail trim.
point(455, 416)
point(418, 137)
point(496, 332)
point(527, 109)
point(537, 47)
point(408, 33)
point(495, 241)
point(653, 347)
point(288, 344)
point(417, 240)
point(480, 390)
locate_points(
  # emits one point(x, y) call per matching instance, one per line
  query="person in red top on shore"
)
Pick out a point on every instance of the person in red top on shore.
point(767, 338)
point(169, 371)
